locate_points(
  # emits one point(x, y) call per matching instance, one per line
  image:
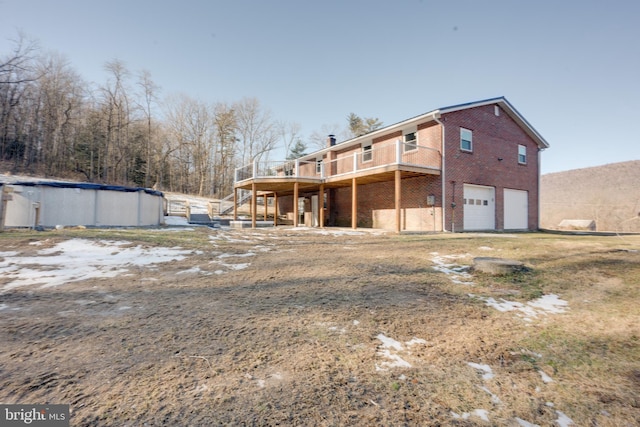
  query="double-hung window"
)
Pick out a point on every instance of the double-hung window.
point(318, 166)
point(367, 154)
point(522, 154)
point(410, 141)
point(466, 139)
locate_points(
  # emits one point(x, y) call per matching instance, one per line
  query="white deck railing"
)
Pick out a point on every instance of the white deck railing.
point(397, 153)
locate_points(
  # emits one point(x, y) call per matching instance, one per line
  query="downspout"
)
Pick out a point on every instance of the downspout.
point(442, 174)
point(540, 150)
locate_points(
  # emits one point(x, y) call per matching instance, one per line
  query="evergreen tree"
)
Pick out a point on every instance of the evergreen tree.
point(297, 151)
point(360, 126)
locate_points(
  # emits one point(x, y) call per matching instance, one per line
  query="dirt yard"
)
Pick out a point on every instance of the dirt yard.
point(300, 327)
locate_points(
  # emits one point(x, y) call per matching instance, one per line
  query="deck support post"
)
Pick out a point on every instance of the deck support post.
point(321, 206)
point(354, 203)
point(295, 204)
point(275, 209)
point(254, 205)
point(235, 204)
point(398, 200)
point(266, 211)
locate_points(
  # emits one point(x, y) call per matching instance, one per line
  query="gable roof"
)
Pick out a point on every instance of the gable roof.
point(509, 109)
point(436, 114)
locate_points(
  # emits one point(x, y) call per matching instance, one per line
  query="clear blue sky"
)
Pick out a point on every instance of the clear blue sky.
point(572, 68)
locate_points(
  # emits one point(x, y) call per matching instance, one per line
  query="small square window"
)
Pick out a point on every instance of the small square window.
point(478, 202)
point(485, 202)
point(522, 154)
point(466, 139)
point(472, 201)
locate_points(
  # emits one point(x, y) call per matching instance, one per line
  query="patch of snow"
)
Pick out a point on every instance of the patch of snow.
point(389, 345)
point(248, 254)
point(563, 420)
point(547, 304)
point(395, 361)
point(550, 303)
point(545, 378)
point(523, 423)
point(8, 254)
point(356, 322)
point(483, 414)
point(480, 413)
point(192, 270)
point(3, 306)
point(390, 342)
point(488, 373)
point(415, 340)
point(457, 273)
point(80, 259)
point(236, 266)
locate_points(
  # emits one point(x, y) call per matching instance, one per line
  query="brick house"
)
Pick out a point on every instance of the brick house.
point(473, 166)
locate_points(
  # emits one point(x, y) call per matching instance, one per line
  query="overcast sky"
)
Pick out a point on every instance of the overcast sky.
point(571, 68)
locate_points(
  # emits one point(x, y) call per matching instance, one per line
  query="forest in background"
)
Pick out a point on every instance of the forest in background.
point(54, 124)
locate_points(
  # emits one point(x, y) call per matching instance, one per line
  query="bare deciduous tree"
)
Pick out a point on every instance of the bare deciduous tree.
point(257, 132)
point(149, 92)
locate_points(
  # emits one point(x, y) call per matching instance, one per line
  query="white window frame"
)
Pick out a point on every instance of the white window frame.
point(319, 166)
point(367, 152)
point(463, 139)
point(410, 144)
point(522, 154)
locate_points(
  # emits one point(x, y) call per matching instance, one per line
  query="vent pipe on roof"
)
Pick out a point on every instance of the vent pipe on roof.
point(331, 140)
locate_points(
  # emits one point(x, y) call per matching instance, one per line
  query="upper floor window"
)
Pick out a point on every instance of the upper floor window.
point(289, 168)
point(522, 154)
point(466, 139)
point(318, 165)
point(410, 141)
point(367, 154)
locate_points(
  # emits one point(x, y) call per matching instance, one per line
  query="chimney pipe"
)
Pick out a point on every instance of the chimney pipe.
point(331, 140)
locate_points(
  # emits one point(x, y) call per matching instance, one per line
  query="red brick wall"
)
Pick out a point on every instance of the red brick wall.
point(382, 196)
point(494, 137)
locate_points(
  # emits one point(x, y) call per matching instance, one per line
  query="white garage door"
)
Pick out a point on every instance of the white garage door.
point(516, 209)
point(479, 207)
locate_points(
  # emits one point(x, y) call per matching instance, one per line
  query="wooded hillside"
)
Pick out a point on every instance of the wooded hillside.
point(55, 124)
point(609, 195)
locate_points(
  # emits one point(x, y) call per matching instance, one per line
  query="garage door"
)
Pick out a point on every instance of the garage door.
point(516, 209)
point(479, 207)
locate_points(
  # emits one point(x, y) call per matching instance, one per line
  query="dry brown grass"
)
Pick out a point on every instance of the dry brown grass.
point(292, 339)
